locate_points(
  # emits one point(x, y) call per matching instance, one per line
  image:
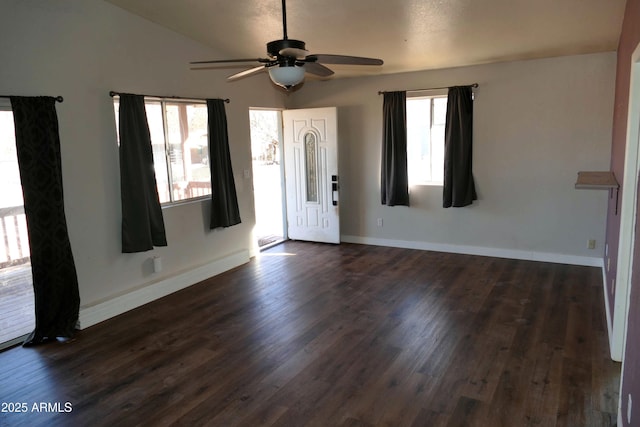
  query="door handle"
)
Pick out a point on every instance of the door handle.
point(334, 189)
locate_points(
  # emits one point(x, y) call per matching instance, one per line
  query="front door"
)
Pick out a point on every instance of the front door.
point(311, 174)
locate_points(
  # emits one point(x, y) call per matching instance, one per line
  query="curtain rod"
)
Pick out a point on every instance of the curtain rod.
point(57, 98)
point(430, 88)
point(112, 94)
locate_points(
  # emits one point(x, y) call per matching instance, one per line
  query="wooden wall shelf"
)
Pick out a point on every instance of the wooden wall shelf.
point(605, 180)
point(596, 180)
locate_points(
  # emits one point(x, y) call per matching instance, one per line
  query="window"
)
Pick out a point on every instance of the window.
point(311, 167)
point(426, 117)
point(17, 313)
point(180, 142)
point(14, 238)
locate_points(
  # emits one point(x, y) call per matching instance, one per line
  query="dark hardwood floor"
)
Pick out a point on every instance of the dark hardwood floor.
point(350, 335)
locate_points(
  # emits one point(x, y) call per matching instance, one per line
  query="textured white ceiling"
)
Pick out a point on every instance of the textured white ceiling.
point(407, 34)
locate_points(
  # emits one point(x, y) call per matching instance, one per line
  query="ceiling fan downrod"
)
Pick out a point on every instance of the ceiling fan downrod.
point(286, 50)
point(284, 19)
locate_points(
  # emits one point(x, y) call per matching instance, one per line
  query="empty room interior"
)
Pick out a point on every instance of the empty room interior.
point(450, 192)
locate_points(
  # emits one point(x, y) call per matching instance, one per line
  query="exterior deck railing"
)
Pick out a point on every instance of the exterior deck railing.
point(14, 246)
point(191, 190)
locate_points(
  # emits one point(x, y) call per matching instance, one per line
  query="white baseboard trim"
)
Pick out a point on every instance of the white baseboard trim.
point(478, 250)
point(102, 311)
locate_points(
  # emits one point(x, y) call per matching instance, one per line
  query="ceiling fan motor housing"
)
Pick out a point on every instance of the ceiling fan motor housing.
point(274, 47)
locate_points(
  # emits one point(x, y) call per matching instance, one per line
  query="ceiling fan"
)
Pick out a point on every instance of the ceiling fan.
point(288, 60)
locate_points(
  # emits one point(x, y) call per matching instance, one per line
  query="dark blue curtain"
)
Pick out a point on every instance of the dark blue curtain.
point(142, 222)
point(55, 283)
point(224, 200)
point(394, 180)
point(459, 187)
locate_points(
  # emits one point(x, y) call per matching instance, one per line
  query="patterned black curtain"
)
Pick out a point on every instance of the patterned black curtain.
point(224, 201)
point(459, 188)
point(55, 283)
point(142, 222)
point(394, 179)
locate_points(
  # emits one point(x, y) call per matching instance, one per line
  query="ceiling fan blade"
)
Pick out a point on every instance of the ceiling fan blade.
point(293, 52)
point(245, 73)
point(226, 61)
point(344, 59)
point(317, 69)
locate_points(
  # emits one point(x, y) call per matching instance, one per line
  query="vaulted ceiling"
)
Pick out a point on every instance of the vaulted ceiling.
point(408, 35)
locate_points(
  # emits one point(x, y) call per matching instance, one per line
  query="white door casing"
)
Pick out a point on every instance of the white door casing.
point(628, 215)
point(311, 174)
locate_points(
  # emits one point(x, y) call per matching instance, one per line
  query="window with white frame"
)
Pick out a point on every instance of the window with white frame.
point(426, 117)
point(14, 238)
point(180, 142)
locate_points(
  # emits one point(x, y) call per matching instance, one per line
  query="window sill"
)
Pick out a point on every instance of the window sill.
point(426, 184)
point(185, 202)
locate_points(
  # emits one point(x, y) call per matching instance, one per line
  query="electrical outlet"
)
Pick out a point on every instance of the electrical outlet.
point(157, 264)
point(379, 222)
point(591, 244)
point(629, 406)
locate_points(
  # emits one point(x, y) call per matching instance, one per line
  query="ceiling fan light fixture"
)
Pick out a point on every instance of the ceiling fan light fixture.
point(286, 75)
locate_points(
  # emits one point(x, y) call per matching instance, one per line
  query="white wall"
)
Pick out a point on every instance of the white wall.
point(536, 124)
point(82, 49)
